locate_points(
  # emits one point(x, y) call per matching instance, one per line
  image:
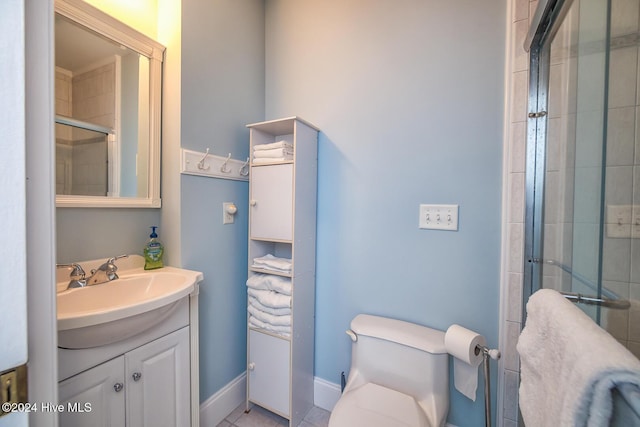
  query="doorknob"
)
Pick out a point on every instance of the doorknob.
point(118, 387)
point(136, 376)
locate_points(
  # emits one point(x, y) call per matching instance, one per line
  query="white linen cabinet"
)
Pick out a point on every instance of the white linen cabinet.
point(282, 222)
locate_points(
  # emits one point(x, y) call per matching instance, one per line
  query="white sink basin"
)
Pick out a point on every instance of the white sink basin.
point(109, 312)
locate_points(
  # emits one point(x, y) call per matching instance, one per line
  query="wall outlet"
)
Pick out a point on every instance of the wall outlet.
point(618, 221)
point(439, 217)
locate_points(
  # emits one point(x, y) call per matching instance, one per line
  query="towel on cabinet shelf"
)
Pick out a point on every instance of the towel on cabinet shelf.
point(272, 263)
point(275, 152)
point(270, 282)
point(272, 145)
point(572, 371)
point(271, 319)
point(284, 331)
point(270, 298)
point(280, 311)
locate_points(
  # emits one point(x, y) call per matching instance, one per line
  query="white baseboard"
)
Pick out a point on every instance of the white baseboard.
point(325, 393)
point(223, 402)
point(232, 395)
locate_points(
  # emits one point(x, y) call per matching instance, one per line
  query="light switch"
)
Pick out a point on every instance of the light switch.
point(439, 217)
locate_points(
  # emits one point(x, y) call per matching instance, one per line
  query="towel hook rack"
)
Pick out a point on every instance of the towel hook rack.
point(201, 164)
point(244, 169)
point(224, 168)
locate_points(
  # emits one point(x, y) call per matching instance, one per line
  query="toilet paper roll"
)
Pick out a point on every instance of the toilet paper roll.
point(461, 344)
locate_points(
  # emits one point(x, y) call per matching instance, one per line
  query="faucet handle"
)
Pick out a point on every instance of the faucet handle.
point(76, 277)
point(113, 259)
point(76, 270)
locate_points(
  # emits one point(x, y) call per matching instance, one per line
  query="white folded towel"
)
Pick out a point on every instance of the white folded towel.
point(270, 282)
point(261, 161)
point(572, 371)
point(271, 319)
point(274, 152)
point(270, 298)
point(284, 331)
point(270, 262)
point(281, 311)
point(272, 145)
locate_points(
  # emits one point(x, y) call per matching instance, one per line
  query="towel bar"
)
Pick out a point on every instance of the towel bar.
point(617, 304)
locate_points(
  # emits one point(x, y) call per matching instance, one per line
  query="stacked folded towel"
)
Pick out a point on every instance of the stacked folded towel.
point(274, 152)
point(270, 303)
point(272, 263)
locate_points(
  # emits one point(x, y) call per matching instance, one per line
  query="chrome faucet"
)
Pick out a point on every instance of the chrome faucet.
point(76, 276)
point(106, 272)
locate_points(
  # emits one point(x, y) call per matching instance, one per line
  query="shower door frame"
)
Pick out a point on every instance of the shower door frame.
point(545, 23)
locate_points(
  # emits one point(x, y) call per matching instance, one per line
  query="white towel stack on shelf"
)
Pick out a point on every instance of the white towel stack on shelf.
point(272, 263)
point(278, 151)
point(269, 300)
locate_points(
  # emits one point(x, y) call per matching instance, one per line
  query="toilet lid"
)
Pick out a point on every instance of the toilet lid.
point(373, 405)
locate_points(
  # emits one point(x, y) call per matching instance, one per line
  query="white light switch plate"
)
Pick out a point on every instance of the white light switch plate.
point(439, 217)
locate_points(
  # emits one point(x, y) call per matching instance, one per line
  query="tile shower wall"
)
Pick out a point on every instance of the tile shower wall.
point(621, 255)
point(512, 267)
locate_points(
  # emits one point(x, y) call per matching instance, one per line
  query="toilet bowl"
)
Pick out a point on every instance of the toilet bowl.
point(399, 376)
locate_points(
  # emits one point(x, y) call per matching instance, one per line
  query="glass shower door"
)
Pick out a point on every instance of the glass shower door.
point(582, 160)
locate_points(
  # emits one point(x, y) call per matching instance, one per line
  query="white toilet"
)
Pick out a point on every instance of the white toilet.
point(399, 376)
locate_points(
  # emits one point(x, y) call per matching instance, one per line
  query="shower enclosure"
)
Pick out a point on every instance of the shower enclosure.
point(582, 226)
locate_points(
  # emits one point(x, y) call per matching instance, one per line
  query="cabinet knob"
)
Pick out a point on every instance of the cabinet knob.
point(118, 387)
point(253, 202)
point(252, 366)
point(136, 376)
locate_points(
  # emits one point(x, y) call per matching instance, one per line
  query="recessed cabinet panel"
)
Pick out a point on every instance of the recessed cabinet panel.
point(158, 382)
point(271, 202)
point(269, 371)
point(95, 397)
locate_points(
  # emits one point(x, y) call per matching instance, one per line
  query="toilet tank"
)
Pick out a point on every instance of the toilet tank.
point(403, 356)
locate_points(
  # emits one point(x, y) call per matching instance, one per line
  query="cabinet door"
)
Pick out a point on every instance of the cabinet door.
point(271, 202)
point(269, 371)
point(158, 378)
point(95, 397)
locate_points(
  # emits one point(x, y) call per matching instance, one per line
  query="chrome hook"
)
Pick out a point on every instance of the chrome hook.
point(201, 164)
point(224, 168)
point(244, 169)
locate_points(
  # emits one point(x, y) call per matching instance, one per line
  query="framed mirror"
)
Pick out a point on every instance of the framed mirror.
point(108, 83)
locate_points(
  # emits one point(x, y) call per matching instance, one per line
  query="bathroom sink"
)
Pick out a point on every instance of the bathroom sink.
point(109, 312)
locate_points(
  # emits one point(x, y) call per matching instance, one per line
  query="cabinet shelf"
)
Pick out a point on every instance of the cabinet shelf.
point(286, 162)
point(266, 332)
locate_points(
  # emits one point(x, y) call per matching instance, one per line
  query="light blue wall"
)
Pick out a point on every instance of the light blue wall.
point(84, 234)
point(409, 99)
point(222, 91)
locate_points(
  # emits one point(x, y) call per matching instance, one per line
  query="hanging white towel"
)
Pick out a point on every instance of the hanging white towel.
point(272, 145)
point(281, 311)
point(270, 298)
point(274, 152)
point(270, 262)
point(269, 318)
point(572, 371)
point(284, 331)
point(270, 282)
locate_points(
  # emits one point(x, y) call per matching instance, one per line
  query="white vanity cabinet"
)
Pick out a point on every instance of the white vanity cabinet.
point(282, 222)
point(94, 397)
point(147, 386)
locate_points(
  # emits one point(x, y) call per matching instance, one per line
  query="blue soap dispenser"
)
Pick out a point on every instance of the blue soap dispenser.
point(153, 252)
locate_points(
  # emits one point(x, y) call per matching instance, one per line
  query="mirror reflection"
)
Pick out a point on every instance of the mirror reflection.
point(103, 87)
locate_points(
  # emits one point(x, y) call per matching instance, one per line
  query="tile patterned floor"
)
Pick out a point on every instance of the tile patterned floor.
point(260, 417)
